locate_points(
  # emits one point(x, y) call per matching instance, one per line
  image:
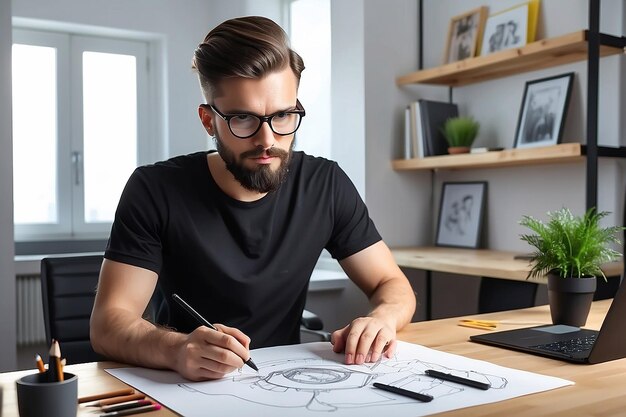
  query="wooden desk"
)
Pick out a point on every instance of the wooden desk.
point(599, 389)
point(473, 262)
point(476, 262)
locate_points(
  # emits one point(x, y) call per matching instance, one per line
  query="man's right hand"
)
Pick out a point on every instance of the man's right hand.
point(209, 354)
point(119, 332)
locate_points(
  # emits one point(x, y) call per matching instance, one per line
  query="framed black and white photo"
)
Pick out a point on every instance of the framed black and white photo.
point(464, 34)
point(543, 111)
point(461, 214)
point(506, 29)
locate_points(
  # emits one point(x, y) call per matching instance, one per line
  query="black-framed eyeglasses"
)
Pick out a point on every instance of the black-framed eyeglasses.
point(246, 125)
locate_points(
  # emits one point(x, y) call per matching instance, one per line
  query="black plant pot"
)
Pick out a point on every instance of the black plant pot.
point(570, 299)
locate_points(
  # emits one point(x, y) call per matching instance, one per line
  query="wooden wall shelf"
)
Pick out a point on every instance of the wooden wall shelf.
point(566, 152)
point(541, 54)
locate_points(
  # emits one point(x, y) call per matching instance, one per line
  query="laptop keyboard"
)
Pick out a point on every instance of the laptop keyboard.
point(568, 347)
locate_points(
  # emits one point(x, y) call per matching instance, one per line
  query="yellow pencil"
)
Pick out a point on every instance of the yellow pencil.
point(476, 326)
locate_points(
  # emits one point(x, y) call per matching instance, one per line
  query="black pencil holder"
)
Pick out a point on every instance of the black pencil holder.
point(37, 397)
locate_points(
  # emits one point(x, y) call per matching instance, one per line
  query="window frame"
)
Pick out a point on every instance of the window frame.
point(79, 45)
point(63, 192)
point(70, 195)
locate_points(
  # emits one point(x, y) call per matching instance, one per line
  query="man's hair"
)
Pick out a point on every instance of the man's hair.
point(247, 47)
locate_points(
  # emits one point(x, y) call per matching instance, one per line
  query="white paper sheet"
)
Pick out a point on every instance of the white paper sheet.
point(310, 380)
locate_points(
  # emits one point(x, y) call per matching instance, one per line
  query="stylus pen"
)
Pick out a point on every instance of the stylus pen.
point(404, 392)
point(137, 410)
point(457, 379)
point(204, 321)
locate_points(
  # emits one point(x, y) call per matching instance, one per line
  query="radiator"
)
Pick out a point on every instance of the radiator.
point(30, 327)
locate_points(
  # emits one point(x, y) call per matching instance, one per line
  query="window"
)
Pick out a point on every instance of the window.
point(80, 107)
point(310, 35)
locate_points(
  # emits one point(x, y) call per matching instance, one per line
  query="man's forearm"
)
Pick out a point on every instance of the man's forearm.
point(124, 338)
point(394, 302)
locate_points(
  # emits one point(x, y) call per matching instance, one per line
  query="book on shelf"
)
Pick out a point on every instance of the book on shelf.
point(433, 116)
point(407, 133)
point(416, 130)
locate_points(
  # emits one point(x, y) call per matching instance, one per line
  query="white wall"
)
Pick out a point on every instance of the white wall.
point(347, 85)
point(399, 203)
point(7, 269)
point(372, 44)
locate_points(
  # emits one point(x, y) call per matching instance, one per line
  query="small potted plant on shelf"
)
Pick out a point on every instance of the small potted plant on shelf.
point(460, 133)
point(570, 250)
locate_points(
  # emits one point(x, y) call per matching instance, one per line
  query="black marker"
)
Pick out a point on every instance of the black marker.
point(204, 321)
point(457, 379)
point(401, 391)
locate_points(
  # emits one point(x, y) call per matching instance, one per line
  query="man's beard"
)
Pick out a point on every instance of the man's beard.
point(262, 179)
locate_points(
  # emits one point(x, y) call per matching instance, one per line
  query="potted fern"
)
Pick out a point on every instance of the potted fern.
point(460, 133)
point(570, 251)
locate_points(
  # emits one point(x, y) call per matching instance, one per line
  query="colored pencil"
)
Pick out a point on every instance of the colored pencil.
point(126, 406)
point(118, 400)
point(40, 364)
point(118, 393)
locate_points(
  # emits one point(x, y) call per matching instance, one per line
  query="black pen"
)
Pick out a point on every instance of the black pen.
point(131, 411)
point(204, 321)
point(457, 379)
point(404, 392)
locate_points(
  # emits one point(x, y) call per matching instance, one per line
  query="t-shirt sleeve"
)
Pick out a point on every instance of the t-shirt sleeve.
point(136, 232)
point(353, 230)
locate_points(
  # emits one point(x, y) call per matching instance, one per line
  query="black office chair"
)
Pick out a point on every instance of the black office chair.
point(68, 286)
point(311, 323)
point(502, 294)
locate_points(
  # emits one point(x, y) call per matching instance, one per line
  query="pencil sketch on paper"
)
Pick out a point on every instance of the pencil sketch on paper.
point(318, 385)
point(310, 379)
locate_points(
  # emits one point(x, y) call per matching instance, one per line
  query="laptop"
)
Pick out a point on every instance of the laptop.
point(569, 343)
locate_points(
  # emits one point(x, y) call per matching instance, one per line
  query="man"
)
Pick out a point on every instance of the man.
point(236, 233)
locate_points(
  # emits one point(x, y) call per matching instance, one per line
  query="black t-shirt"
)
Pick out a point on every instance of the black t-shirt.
point(243, 264)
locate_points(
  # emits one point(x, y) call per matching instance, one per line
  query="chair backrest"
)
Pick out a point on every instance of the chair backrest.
point(68, 286)
point(312, 324)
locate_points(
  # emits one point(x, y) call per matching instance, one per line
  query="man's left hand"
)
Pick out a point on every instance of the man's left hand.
point(364, 340)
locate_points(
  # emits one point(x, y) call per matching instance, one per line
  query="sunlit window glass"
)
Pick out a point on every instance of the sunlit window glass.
point(310, 32)
point(110, 130)
point(34, 134)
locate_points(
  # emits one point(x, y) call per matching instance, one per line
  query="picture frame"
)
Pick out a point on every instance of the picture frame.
point(461, 213)
point(543, 111)
point(506, 29)
point(464, 35)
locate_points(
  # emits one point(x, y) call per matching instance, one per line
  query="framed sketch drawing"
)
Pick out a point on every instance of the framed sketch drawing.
point(505, 30)
point(461, 214)
point(543, 111)
point(464, 34)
